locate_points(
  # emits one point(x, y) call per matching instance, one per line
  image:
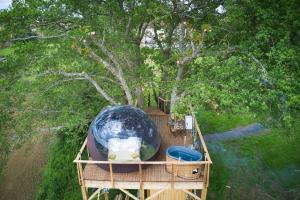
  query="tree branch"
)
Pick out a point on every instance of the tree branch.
point(62, 81)
point(115, 68)
point(95, 57)
point(37, 37)
point(128, 25)
point(84, 76)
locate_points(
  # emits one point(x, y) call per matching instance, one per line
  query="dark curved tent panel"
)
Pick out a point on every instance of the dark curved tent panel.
point(123, 133)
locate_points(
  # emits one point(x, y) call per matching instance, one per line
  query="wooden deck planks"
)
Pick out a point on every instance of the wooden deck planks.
point(153, 173)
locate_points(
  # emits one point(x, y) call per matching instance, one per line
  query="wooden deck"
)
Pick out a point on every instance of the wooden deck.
point(154, 176)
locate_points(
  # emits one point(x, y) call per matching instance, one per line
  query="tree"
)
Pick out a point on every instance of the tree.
point(185, 25)
point(109, 33)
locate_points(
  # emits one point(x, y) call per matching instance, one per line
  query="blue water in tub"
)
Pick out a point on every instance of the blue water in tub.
point(184, 153)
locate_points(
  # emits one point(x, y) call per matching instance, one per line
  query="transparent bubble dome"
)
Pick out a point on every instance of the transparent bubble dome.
point(117, 129)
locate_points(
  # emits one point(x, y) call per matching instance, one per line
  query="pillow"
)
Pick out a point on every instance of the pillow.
point(124, 149)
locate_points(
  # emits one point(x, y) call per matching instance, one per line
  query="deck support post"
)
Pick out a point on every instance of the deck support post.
point(129, 194)
point(173, 177)
point(106, 195)
point(84, 193)
point(203, 193)
point(156, 193)
point(111, 175)
point(192, 194)
point(142, 195)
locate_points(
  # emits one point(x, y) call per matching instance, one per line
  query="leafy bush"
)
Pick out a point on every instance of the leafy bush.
point(60, 177)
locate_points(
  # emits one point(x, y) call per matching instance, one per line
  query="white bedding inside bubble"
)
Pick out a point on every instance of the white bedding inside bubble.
point(124, 149)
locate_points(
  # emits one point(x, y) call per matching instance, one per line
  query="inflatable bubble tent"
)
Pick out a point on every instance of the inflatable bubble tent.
point(123, 133)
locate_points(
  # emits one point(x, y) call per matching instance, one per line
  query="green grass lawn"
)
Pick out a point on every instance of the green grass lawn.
point(6, 51)
point(212, 122)
point(258, 167)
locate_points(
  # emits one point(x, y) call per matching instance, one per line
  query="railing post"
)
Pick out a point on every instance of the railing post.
point(141, 182)
point(158, 103)
point(88, 153)
point(205, 175)
point(81, 182)
point(106, 195)
point(173, 177)
point(205, 180)
point(78, 173)
point(111, 175)
point(203, 193)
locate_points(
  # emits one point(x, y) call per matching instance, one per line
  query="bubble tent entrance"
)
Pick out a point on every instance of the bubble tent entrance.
point(123, 133)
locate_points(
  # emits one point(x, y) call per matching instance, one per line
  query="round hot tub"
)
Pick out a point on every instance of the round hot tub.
point(183, 154)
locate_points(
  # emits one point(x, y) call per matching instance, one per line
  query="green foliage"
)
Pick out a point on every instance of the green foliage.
point(248, 67)
point(218, 177)
point(30, 101)
point(268, 162)
point(212, 122)
point(60, 179)
point(277, 147)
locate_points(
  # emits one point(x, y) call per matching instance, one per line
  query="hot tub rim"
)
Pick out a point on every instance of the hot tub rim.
point(186, 149)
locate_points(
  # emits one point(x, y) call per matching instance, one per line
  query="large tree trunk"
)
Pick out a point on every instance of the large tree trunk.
point(174, 94)
point(139, 97)
point(126, 89)
point(180, 68)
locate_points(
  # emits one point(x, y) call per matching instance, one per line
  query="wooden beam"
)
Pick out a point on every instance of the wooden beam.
point(142, 162)
point(81, 174)
point(111, 175)
point(128, 193)
point(94, 194)
point(192, 194)
point(78, 173)
point(203, 194)
point(156, 194)
point(173, 177)
point(78, 157)
point(207, 178)
point(84, 193)
point(135, 185)
point(142, 194)
point(141, 182)
point(205, 175)
point(140, 174)
point(118, 197)
point(106, 196)
point(199, 133)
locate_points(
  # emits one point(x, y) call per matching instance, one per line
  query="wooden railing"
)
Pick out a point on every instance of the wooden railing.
point(203, 147)
point(203, 165)
point(163, 105)
point(81, 163)
point(206, 161)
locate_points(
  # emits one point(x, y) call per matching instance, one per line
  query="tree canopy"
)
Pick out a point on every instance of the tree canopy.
point(62, 61)
point(245, 59)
